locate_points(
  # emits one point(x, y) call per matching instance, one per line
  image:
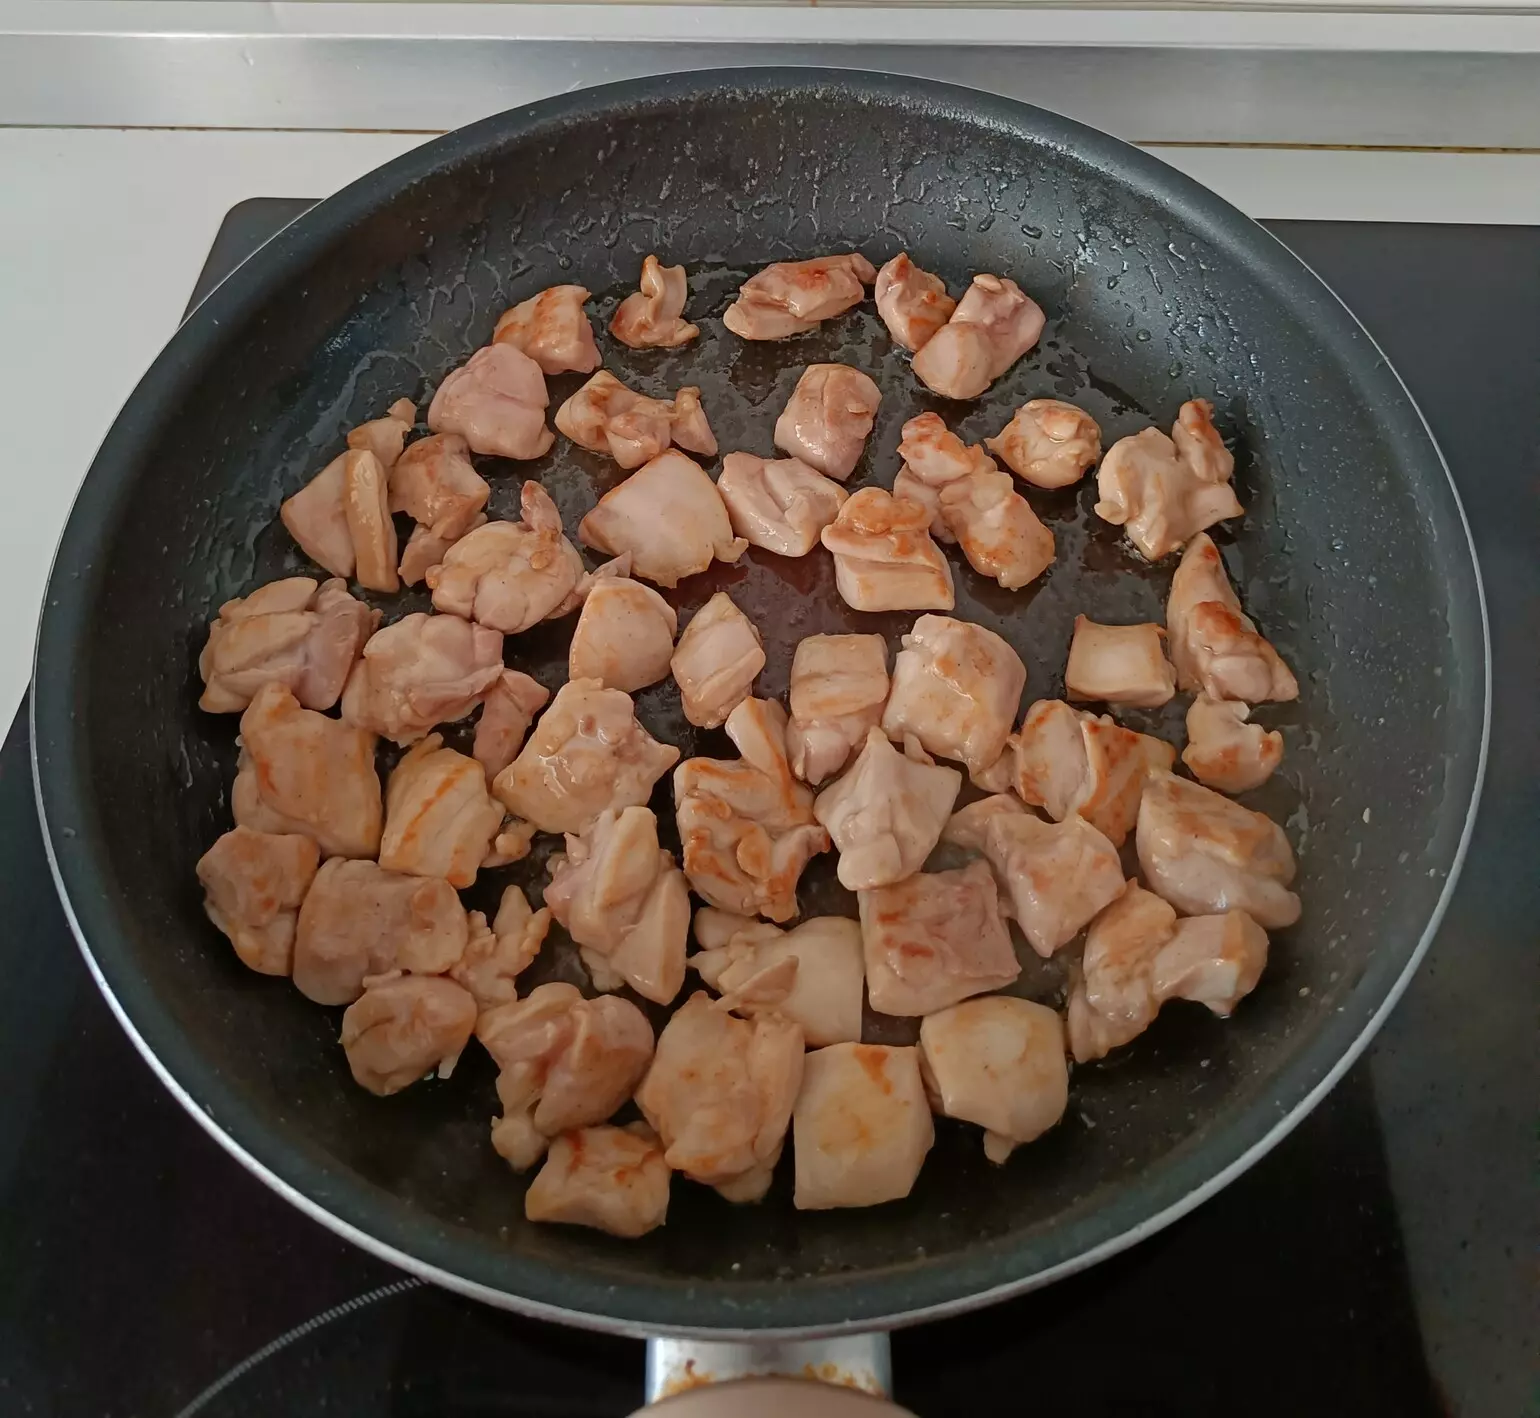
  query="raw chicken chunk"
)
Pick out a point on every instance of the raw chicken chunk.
point(968, 827)
point(605, 416)
point(385, 436)
point(495, 956)
point(1048, 443)
point(793, 297)
point(421, 671)
point(913, 303)
point(997, 529)
point(439, 819)
point(1118, 664)
point(253, 884)
point(780, 504)
point(995, 323)
point(496, 402)
point(316, 517)
point(718, 656)
point(552, 329)
point(612, 1179)
point(400, 1029)
point(435, 483)
point(507, 710)
point(828, 417)
point(1058, 875)
point(839, 685)
point(1226, 752)
point(652, 316)
point(884, 558)
point(624, 636)
point(426, 548)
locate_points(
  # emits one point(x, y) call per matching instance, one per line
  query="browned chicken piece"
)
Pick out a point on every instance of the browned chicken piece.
point(793, 297)
point(366, 497)
point(956, 688)
point(253, 883)
point(624, 636)
point(1048, 443)
point(552, 329)
point(720, 1093)
point(588, 754)
point(507, 710)
point(1199, 445)
point(839, 685)
point(827, 419)
point(1058, 874)
point(1147, 485)
point(995, 323)
point(360, 922)
point(303, 772)
point(439, 819)
point(997, 529)
point(780, 504)
point(1214, 961)
point(605, 416)
point(385, 436)
point(884, 558)
point(611, 1179)
point(913, 303)
point(1226, 752)
point(511, 575)
point(1118, 664)
point(886, 814)
point(746, 826)
point(316, 517)
point(1216, 649)
point(968, 827)
point(652, 316)
point(669, 516)
point(401, 1029)
point(718, 656)
point(999, 1063)
point(1206, 854)
point(861, 1128)
point(496, 402)
point(934, 458)
point(435, 483)
point(933, 939)
point(426, 548)
point(496, 955)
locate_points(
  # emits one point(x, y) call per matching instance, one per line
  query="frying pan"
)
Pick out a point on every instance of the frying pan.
point(1353, 555)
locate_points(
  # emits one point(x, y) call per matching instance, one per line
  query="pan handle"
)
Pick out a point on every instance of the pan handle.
point(861, 1362)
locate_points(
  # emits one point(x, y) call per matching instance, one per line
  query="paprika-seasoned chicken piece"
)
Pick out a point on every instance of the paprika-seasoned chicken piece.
point(1199, 445)
point(496, 955)
point(426, 548)
point(316, 517)
point(886, 814)
point(994, 324)
point(669, 516)
point(587, 754)
point(300, 771)
point(385, 435)
point(933, 939)
point(611, 1179)
point(1226, 752)
point(1048, 443)
point(400, 1029)
point(780, 504)
point(827, 419)
point(997, 529)
point(435, 483)
point(861, 1128)
point(624, 636)
point(839, 685)
point(884, 558)
point(366, 499)
point(253, 884)
point(956, 688)
point(507, 710)
point(1214, 961)
point(913, 303)
point(439, 818)
point(1058, 874)
point(968, 827)
point(496, 402)
point(605, 416)
point(652, 316)
point(999, 1063)
point(716, 661)
point(552, 329)
point(934, 458)
point(1118, 664)
point(793, 297)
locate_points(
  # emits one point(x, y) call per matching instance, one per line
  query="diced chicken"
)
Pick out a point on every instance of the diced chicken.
point(385, 436)
point(624, 636)
point(793, 297)
point(426, 548)
point(994, 324)
point(1207, 854)
point(652, 316)
point(611, 1179)
point(934, 458)
point(400, 1029)
point(886, 814)
point(253, 883)
point(435, 483)
point(780, 504)
point(439, 819)
point(1199, 445)
point(1226, 752)
point(997, 529)
point(303, 772)
point(839, 685)
point(828, 417)
point(968, 827)
point(884, 558)
point(1118, 664)
point(496, 402)
point(913, 303)
point(316, 517)
point(714, 928)
point(998, 1063)
point(605, 416)
point(669, 516)
point(1058, 875)
point(861, 1128)
point(496, 955)
point(366, 497)
point(1048, 443)
point(507, 710)
point(1214, 961)
point(718, 657)
point(552, 329)
point(512, 843)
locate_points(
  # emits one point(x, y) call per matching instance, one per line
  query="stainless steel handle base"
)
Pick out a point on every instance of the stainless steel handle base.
point(858, 1361)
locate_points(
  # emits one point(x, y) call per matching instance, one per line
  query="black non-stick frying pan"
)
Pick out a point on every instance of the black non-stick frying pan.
point(1353, 555)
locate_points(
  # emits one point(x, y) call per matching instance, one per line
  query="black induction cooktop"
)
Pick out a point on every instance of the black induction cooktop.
point(1380, 1261)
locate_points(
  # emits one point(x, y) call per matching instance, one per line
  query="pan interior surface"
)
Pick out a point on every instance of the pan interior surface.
point(1351, 556)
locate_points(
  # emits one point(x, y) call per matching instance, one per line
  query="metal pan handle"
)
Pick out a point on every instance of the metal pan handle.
point(853, 1372)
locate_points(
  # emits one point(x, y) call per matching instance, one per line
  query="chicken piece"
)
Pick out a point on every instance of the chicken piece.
point(839, 685)
point(718, 657)
point(669, 516)
point(933, 939)
point(968, 827)
point(385, 436)
point(439, 819)
point(998, 1063)
point(365, 505)
point(1206, 854)
point(821, 990)
point(425, 549)
point(793, 297)
point(652, 316)
point(913, 303)
point(720, 1093)
point(861, 1128)
point(624, 636)
point(780, 504)
point(496, 402)
point(956, 688)
point(1118, 664)
point(1058, 875)
point(746, 826)
point(511, 575)
point(611, 1179)
point(997, 529)
point(994, 324)
point(435, 483)
point(1199, 445)
point(715, 928)
point(496, 955)
point(303, 772)
point(884, 558)
point(828, 417)
point(1226, 752)
point(605, 416)
point(316, 517)
point(1147, 485)
point(588, 754)
point(552, 329)
point(886, 814)
point(253, 884)
point(1048, 443)
point(934, 458)
point(507, 710)
point(1216, 649)
point(400, 1029)
point(1214, 961)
